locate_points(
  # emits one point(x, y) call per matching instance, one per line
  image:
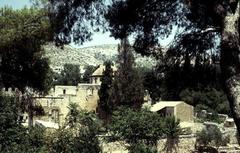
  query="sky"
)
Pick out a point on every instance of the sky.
point(98, 38)
point(16, 4)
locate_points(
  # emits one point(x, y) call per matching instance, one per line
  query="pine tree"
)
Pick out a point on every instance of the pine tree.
point(105, 104)
point(128, 87)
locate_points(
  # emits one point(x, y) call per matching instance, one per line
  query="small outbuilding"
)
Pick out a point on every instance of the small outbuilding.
point(178, 109)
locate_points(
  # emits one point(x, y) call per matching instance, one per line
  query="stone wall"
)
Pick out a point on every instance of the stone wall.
point(85, 95)
point(184, 112)
point(186, 145)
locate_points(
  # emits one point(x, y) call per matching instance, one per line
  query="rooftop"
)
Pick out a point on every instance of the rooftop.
point(99, 71)
point(47, 124)
point(162, 104)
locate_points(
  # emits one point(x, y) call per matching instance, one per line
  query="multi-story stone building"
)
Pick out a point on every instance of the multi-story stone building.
point(56, 104)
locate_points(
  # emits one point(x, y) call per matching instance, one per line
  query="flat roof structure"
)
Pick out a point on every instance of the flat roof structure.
point(162, 104)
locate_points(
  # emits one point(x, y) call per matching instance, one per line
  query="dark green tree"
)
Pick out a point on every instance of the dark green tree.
point(206, 98)
point(22, 35)
point(23, 65)
point(14, 136)
point(136, 128)
point(204, 22)
point(105, 105)
point(70, 75)
point(11, 130)
point(75, 20)
point(128, 87)
point(79, 134)
point(89, 69)
point(153, 84)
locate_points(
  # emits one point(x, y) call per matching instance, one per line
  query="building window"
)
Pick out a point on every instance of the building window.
point(64, 91)
point(89, 92)
point(95, 80)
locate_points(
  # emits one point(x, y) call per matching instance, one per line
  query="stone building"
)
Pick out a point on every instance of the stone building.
point(178, 109)
point(96, 76)
point(85, 95)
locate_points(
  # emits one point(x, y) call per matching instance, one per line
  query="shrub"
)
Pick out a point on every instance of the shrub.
point(135, 127)
point(172, 131)
point(142, 129)
point(13, 136)
point(79, 134)
point(142, 148)
point(211, 136)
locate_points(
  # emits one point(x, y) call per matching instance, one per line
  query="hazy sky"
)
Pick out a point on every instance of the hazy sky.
point(97, 38)
point(16, 4)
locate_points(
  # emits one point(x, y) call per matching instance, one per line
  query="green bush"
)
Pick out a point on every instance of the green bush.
point(141, 130)
point(172, 131)
point(207, 98)
point(13, 136)
point(211, 136)
point(79, 134)
point(136, 126)
point(142, 148)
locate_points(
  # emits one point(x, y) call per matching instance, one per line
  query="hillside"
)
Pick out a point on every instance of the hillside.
point(94, 55)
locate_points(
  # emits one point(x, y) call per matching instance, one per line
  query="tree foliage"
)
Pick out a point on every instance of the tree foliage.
point(149, 21)
point(142, 148)
point(206, 98)
point(136, 127)
point(105, 104)
point(127, 87)
point(79, 133)
point(141, 130)
point(172, 130)
point(70, 75)
point(211, 136)
point(75, 20)
point(11, 130)
point(152, 83)
point(23, 32)
point(89, 69)
point(13, 136)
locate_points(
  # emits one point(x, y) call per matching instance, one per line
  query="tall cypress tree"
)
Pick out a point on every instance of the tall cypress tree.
point(105, 104)
point(128, 87)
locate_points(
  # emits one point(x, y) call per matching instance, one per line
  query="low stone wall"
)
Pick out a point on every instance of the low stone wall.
point(113, 147)
point(186, 145)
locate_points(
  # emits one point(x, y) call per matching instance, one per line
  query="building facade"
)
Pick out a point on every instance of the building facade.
point(178, 109)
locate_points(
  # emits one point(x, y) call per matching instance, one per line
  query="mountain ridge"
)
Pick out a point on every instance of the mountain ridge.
point(91, 55)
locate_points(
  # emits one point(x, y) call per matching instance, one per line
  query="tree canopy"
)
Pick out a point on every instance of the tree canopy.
point(75, 20)
point(89, 69)
point(105, 105)
point(70, 75)
point(79, 134)
point(209, 33)
point(22, 34)
point(127, 86)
